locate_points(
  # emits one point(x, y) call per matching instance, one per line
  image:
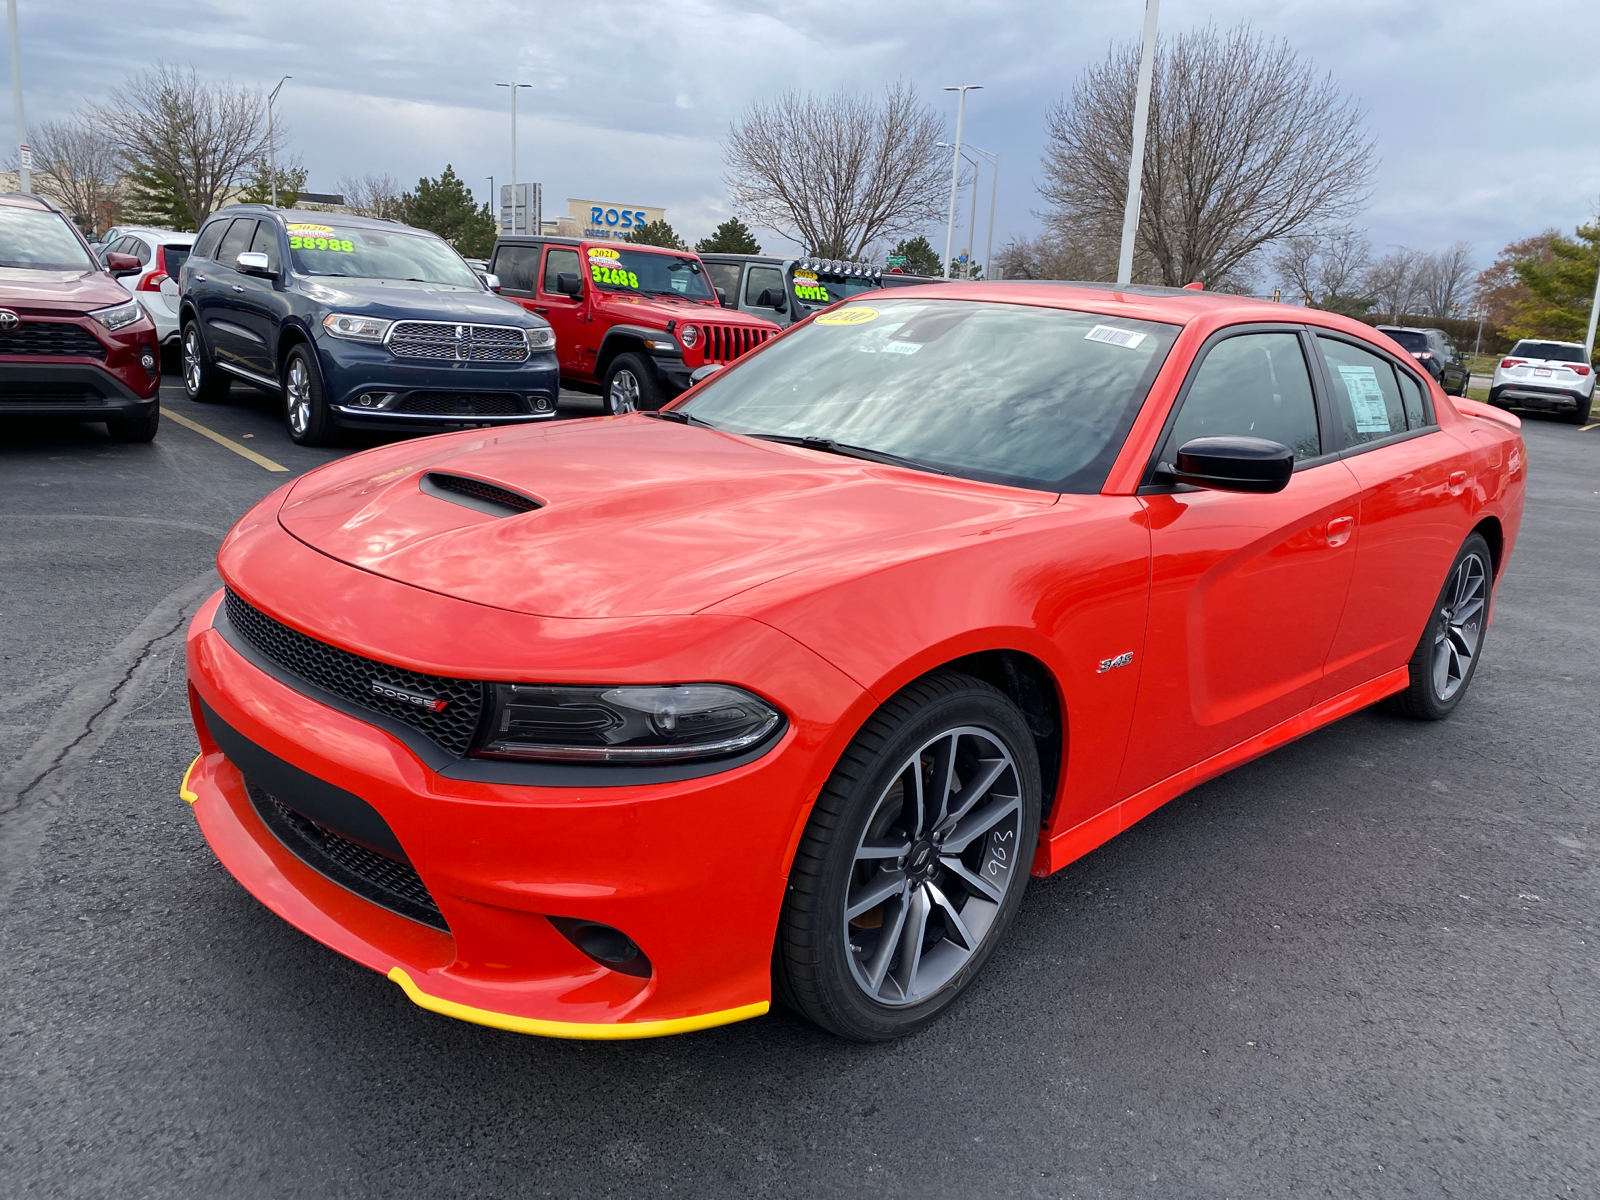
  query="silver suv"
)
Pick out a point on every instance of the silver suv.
point(161, 253)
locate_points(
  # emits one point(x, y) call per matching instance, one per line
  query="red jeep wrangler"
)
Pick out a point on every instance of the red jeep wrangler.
point(631, 322)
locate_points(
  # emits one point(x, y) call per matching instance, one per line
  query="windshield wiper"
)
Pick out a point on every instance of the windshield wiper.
point(678, 415)
point(829, 446)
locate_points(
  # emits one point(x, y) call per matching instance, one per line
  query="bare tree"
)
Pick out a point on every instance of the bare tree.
point(1326, 269)
point(75, 164)
point(1051, 256)
point(837, 173)
point(1245, 145)
point(1443, 278)
point(1394, 281)
point(201, 136)
point(372, 195)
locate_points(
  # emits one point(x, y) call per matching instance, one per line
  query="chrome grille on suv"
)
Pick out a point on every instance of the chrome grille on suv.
point(458, 343)
point(365, 681)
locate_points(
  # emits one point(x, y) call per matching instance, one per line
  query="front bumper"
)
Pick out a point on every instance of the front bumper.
point(411, 394)
point(693, 871)
point(81, 390)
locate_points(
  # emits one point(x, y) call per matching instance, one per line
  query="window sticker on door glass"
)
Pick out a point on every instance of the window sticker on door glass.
point(1126, 338)
point(1366, 399)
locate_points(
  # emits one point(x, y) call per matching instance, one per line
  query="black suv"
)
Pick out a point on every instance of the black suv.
point(357, 323)
point(1436, 353)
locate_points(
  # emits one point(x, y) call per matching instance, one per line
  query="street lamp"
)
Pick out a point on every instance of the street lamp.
point(955, 168)
point(1141, 118)
point(272, 149)
point(994, 190)
point(24, 153)
point(513, 86)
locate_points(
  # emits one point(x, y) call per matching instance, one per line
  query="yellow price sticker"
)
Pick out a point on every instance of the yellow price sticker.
point(848, 316)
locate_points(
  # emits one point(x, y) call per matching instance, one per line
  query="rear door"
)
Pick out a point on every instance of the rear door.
point(725, 276)
point(260, 305)
point(226, 333)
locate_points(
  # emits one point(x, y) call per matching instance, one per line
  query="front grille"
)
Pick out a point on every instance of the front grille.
point(458, 343)
point(384, 881)
point(463, 404)
point(479, 490)
point(352, 677)
point(724, 343)
point(51, 337)
point(49, 393)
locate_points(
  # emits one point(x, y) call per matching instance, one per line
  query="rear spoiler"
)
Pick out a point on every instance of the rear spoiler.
point(1472, 408)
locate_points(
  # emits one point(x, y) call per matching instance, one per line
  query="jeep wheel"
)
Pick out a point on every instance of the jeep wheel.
point(202, 382)
point(630, 386)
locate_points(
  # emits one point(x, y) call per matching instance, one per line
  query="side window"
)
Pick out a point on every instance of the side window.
point(207, 245)
point(1255, 385)
point(1365, 394)
point(1411, 400)
point(236, 242)
point(518, 268)
point(762, 278)
point(557, 263)
point(726, 277)
point(266, 242)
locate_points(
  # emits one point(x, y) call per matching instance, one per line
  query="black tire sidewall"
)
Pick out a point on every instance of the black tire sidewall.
point(650, 395)
point(816, 976)
point(213, 383)
point(134, 430)
point(1420, 699)
point(321, 428)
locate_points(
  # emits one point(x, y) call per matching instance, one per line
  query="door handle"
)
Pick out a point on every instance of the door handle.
point(1458, 481)
point(199, 278)
point(543, 312)
point(1339, 530)
point(237, 288)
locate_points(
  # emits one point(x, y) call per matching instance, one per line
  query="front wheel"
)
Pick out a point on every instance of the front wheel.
point(135, 429)
point(630, 386)
point(913, 863)
point(305, 408)
point(1446, 658)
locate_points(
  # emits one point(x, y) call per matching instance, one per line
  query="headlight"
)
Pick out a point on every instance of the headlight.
point(541, 339)
point(625, 724)
point(688, 335)
point(118, 315)
point(356, 329)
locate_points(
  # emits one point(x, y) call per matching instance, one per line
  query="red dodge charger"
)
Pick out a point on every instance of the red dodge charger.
point(624, 726)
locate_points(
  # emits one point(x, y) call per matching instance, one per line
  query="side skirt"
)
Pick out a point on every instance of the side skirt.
point(1074, 843)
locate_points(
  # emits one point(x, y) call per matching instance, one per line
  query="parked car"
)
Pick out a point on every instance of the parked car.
point(356, 323)
point(161, 254)
point(786, 290)
point(1548, 376)
point(632, 322)
point(1437, 354)
point(73, 341)
point(784, 691)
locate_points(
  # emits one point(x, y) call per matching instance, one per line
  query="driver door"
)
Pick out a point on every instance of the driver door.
point(567, 315)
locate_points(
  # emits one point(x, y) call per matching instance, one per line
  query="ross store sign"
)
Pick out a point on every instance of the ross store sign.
point(600, 220)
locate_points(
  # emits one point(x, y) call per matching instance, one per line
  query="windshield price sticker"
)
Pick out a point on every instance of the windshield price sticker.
point(849, 316)
point(1366, 399)
point(307, 242)
point(807, 288)
point(605, 266)
point(1111, 336)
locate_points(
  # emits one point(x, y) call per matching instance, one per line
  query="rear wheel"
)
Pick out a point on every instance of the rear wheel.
point(1445, 660)
point(913, 863)
point(305, 407)
point(631, 386)
point(202, 382)
point(135, 429)
point(1580, 415)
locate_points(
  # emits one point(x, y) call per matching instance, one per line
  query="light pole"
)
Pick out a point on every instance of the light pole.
point(994, 191)
point(272, 148)
point(24, 166)
point(955, 168)
point(1594, 311)
point(513, 86)
point(1141, 118)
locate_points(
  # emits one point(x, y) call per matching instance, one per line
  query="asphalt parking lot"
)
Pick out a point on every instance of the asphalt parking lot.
point(1363, 966)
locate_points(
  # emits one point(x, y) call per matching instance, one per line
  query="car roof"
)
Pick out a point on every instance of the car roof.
point(166, 235)
point(1407, 329)
point(27, 200)
point(311, 216)
point(1549, 342)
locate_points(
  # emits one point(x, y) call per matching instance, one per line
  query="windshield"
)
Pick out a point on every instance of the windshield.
point(377, 254)
point(613, 269)
point(1411, 339)
point(1034, 397)
point(40, 241)
point(1549, 351)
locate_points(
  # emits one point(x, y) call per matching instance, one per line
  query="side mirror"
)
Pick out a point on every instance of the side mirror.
point(123, 264)
point(1233, 464)
point(491, 281)
point(722, 297)
point(705, 372)
point(773, 298)
point(568, 285)
point(255, 264)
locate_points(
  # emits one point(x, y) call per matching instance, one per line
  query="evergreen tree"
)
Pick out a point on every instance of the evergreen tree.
point(733, 236)
point(445, 206)
point(258, 183)
point(151, 198)
point(1560, 288)
point(656, 233)
point(921, 258)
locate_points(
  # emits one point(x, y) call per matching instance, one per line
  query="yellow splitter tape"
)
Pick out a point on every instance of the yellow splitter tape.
point(260, 460)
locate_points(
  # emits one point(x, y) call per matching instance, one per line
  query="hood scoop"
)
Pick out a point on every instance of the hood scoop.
point(476, 494)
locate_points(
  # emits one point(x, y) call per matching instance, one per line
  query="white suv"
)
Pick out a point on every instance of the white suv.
point(161, 253)
point(1553, 376)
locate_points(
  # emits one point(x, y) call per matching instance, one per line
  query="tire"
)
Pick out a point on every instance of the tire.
point(135, 429)
point(1580, 415)
point(836, 967)
point(631, 386)
point(1446, 657)
point(305, 406)
point(202, 382)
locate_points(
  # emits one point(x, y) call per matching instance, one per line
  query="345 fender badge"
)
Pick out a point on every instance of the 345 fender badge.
point(1111, 664)
point(390, 692)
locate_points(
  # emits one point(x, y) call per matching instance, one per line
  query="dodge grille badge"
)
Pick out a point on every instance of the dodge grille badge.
point(389, 692)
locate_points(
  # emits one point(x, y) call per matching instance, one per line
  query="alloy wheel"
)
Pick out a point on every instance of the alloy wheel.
point(1460, 626)
point(934, 866)
point(191, 361)
point(297, 389)
point(623, 396)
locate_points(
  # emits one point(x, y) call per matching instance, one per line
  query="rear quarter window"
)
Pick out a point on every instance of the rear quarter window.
point(206, 247)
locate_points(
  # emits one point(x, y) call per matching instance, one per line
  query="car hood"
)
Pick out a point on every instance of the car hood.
point(638, 516)
point(399, 299)
point(59, 291)
point(656, 311)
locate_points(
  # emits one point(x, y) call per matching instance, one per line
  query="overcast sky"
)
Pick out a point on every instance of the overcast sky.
point(1487, 115)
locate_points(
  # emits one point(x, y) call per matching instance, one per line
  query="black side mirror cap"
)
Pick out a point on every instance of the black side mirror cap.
point(773, 298)
point(568, 284)
point(1233, 464)
point(705, 372)
point(722, 297)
